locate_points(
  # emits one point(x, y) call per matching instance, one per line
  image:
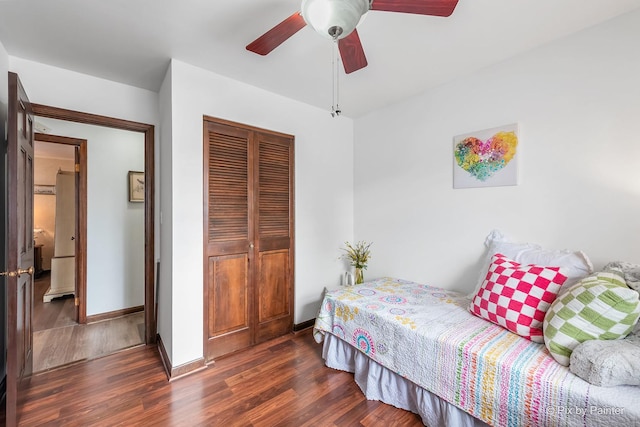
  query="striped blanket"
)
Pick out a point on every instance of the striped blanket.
point(427, 335)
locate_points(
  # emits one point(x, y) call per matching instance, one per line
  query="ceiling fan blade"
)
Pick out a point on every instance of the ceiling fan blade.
point(420, 7)
point(277, 35)
point(352, 53)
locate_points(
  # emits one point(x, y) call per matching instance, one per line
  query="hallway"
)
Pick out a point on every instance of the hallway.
point(58, 340)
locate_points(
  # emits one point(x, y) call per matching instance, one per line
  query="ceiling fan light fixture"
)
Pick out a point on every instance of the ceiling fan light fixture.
point(334, 19)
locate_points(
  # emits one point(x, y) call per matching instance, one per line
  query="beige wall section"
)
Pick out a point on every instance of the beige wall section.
point(44, 206)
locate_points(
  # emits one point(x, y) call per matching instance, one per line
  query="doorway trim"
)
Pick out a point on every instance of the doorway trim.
point(149, 193)
point(81, 219)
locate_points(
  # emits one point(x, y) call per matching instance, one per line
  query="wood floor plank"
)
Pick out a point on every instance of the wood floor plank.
point(59, 346)
point(271, 412)
point(55, 314)
point(279, 383)
point(58, 340)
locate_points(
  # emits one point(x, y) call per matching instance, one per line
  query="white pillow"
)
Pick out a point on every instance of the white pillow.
point(576, 264)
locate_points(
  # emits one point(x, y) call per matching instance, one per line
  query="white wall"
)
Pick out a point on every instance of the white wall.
point(165, 245)
point(323, 191)
point(62, 88)
point(115, 226)
point(578, 105)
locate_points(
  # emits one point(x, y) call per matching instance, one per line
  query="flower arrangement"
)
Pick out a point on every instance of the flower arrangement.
point(358, 256)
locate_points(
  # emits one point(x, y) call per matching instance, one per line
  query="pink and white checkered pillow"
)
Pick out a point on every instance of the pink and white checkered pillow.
point(517, 296)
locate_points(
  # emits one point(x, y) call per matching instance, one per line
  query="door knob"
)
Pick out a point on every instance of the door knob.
point(251, 245)
point(29, 271)
point(18, 273)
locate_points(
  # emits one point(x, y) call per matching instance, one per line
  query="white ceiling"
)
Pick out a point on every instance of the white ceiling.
point(131, 41)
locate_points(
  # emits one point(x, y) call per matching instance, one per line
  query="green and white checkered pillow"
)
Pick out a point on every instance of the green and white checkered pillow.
point(600, 306)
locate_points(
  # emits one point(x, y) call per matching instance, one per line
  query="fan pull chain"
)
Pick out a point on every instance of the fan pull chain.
point(335, 107)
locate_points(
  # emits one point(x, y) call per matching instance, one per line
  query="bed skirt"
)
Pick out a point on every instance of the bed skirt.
point(379, 383)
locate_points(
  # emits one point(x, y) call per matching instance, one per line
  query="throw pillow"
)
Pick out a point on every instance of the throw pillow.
point(600, 306)
point(517, 296)
point(608, 363)
point(576, 265)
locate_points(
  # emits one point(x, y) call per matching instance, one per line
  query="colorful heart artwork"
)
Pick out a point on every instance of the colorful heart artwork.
point(483, 158)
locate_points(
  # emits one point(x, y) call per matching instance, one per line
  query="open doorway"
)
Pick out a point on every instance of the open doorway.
point(90, 290)
point(55, 236)
point(148, 132)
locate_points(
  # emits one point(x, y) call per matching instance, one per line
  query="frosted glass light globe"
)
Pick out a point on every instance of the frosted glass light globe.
point(334, 19)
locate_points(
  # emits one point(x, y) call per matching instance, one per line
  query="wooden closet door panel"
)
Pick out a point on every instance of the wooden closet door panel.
point(229, 322)
point(228, 232)
point(274, 231)
point(273, 289)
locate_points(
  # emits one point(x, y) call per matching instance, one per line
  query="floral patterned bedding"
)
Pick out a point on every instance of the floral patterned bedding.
point(427, 335)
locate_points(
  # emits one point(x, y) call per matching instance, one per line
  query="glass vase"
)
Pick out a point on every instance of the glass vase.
point(359, 276)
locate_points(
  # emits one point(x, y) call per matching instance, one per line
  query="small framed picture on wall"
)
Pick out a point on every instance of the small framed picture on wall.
point(486, 158)
point(49, 190)
point(136, 186)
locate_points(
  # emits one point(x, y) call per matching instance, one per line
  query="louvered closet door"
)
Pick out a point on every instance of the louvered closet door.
point(274, 229)
point(228, 207)
point(249, 236)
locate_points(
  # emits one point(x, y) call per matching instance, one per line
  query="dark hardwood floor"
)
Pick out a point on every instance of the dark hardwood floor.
point(283, 382)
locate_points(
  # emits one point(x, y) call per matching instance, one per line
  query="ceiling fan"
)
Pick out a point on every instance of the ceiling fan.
point(337, 20)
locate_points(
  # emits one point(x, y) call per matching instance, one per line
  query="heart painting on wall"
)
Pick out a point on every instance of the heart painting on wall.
point(486, 158)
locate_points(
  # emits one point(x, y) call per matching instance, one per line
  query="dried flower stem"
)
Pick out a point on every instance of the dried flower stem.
point(358, 255)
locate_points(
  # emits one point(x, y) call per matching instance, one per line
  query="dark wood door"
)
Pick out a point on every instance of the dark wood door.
point(78, 249)
point(19, 244)
point(228, 230)
point(248, 229)
point(274, 231)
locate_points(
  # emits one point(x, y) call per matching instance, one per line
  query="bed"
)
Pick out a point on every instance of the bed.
point(418, 347)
